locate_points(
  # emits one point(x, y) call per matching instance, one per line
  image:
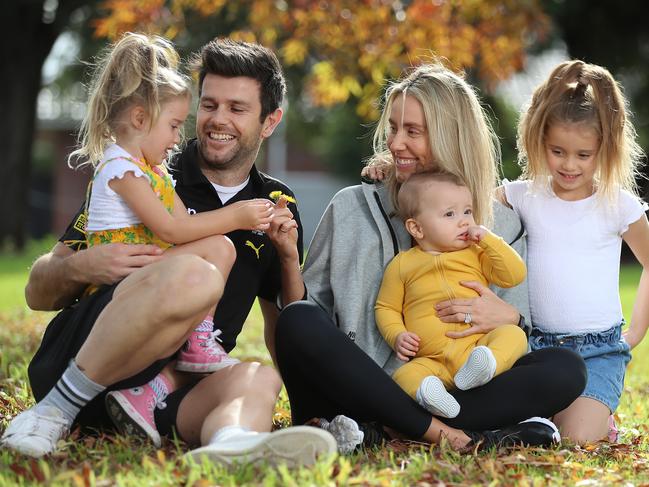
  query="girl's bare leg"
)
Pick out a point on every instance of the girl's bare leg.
point(584, 421)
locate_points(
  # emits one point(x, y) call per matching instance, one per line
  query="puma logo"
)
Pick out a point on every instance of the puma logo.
point(252, 246)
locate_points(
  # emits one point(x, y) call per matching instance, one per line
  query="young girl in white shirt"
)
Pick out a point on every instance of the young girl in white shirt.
point(578, 200)
point(138, 104)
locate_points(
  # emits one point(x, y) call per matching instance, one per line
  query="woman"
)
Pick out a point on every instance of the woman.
point(330, 354)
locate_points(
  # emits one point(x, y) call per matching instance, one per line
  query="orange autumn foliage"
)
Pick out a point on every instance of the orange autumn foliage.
point(348, 48)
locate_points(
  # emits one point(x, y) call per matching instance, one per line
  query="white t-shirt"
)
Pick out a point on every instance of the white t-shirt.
point(573, 256)
point(107, 210)
point(226, 193)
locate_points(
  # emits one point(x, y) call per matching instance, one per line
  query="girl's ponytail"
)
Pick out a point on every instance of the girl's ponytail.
point(137, 69)
point(619, 154)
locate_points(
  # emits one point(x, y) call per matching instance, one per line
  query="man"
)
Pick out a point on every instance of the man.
point(124, 335)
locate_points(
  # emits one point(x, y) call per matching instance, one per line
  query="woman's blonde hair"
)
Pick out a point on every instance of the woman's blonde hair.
point(137, 69)
point(577, 92)
point(462, 140)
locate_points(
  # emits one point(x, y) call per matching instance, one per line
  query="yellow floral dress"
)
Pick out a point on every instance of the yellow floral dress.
point(163, 187)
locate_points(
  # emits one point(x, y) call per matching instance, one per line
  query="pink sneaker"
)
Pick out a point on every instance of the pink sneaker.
point(132, 410)
point(613, 433)
point(202, 354)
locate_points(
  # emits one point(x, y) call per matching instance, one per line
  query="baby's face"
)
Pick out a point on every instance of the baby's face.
point(445, 215)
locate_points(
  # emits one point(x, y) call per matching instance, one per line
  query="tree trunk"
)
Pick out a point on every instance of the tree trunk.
point(25, 42)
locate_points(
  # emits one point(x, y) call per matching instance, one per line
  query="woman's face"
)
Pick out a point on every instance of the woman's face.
point(408, 139)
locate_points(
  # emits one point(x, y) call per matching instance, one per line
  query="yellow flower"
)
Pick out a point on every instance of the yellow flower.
point(276, 195)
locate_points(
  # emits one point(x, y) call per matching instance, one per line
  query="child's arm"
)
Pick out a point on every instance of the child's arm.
point(180, 210)
point(500, 263)
point(375, 172)
point(389, 313)
point(138, 195)
point(502, 196)
point(637, 238)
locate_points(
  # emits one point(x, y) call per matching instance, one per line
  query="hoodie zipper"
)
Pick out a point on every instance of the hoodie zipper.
point(395, 243)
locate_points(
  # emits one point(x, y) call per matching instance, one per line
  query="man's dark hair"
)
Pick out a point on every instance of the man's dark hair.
point(229, 58)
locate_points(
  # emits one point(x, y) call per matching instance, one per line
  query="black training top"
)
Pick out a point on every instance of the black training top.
point(256, 271)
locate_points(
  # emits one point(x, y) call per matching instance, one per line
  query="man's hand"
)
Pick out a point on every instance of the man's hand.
point(283, 234)
point(60, 276)
point(406, 345)
point(283, 231)
point(487, 311)
point(107, 264)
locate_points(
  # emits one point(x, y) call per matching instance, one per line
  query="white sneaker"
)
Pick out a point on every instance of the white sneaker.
point(433, 396)
point(346, 432)
point(294, 446)
point(478, 369)
point(36, 433)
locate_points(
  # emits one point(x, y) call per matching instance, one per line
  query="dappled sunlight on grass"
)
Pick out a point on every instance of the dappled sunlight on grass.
point(108, 459)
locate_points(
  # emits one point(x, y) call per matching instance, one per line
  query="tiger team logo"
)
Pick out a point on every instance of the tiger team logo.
point(80, 223)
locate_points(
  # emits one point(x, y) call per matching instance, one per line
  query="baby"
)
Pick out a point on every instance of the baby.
point(450, 248)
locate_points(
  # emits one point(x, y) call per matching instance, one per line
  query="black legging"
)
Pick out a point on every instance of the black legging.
point(326, 374)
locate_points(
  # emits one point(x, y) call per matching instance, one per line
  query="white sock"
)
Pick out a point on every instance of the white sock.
point(206, 325)
point(72, 392)
point(228, 432)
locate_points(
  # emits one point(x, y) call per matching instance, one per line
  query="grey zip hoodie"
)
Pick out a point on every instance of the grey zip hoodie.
point(358, 234)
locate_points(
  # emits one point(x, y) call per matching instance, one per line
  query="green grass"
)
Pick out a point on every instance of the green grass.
point(116, 460)
point(14, 268)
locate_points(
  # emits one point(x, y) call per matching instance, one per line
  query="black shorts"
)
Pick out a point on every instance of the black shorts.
point(63, 338)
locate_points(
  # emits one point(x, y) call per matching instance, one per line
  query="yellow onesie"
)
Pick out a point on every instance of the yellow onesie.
point(415, 281)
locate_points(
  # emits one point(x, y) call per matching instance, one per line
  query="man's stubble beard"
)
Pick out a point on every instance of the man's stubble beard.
point(243, 155)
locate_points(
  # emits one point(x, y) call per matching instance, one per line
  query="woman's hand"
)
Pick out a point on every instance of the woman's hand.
point(406, 345)
point(487, 311)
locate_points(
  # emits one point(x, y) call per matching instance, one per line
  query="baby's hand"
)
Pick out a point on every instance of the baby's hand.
point(375, 173)
point(406, 345)
point(476, 233)
point(253, 214)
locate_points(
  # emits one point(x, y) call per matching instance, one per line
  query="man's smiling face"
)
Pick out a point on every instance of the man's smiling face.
point(228, 126)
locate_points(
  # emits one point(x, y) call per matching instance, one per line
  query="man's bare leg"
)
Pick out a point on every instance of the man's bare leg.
point(133, 410)
point(243, 394)
point(230, 412)
point(151, 314)
point(202, 353)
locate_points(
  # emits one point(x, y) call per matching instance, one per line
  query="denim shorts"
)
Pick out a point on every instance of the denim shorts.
point(606, 355)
